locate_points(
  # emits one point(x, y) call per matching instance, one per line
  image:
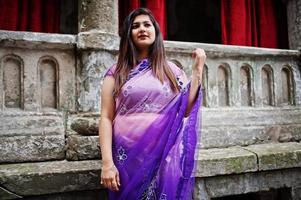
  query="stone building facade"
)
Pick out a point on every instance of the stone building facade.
point(49, 103)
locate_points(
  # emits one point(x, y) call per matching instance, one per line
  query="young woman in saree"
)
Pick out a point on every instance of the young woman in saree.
point(149, 114)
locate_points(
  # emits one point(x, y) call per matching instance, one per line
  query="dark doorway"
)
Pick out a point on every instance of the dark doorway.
point(194, 21)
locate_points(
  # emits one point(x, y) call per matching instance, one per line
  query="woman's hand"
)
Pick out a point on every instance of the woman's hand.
point(199, 56)
point(110, 178)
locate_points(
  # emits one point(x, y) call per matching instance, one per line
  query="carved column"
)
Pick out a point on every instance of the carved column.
point(98, 42)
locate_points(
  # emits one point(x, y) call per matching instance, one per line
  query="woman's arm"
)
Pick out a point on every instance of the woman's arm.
point(109, 173)
point(199, 56)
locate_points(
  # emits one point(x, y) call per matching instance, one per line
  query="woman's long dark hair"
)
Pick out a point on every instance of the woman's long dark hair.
point(128, 53)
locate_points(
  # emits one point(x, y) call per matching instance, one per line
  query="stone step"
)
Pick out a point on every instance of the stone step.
point(62, 176)
point(26, 179)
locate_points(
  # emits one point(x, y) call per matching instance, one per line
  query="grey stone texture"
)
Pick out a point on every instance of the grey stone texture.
point(277, 156)
point(83, 124)
point(98, 15)
point(78, 195)
point(98, 40)
point(5, 194)
point(232, 59)
point(233, 160)
point(32, 148)
point(93, 66)
point(31, 136)
point(82, 147)
point(38, 69)
point(219, 186)
point(200, 191)
point(294, 23)
point(223, 127)
point(20, 123)
point(50, 177)
point(33, 40)
point(296, 193)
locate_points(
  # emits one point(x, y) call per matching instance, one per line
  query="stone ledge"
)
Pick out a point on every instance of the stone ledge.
point(233, 160)
point(219, 50)
point(36, 40)
point(277, 155)
point(50, 177)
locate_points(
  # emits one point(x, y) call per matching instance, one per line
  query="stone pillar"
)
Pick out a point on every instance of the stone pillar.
point(98, 43)
point(294, 23)
point(101, 15)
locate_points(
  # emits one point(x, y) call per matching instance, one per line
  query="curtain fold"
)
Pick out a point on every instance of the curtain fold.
point(9, 14)
point(249, 23)
point(267, 33)
point(158, 8)
point(30, 15)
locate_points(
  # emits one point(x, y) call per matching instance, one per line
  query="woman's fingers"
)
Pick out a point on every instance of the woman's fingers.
point(118, 179)
point(110, 179)
point(109, 184)
point(199, 53)
point(199, 56)
point(114, 185)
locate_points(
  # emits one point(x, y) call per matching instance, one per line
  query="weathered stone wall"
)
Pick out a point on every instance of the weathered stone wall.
point(37, 88)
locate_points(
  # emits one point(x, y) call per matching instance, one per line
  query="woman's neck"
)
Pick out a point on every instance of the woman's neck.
point(142, 55)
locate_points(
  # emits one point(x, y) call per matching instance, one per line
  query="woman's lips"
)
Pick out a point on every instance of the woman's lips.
point(142, 36)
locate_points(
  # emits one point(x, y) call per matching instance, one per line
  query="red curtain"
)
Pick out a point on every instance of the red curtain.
point(249, 23)
point(157, 7)
point(30, 15)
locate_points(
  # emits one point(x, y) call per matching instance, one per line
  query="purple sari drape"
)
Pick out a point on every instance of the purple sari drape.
point(153, 143)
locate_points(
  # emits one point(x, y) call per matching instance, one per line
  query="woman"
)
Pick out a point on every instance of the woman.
point(148, 117)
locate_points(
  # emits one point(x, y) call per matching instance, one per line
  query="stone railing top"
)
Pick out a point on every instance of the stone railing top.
point(37, 40)
point(101, 40)
point(219, 50)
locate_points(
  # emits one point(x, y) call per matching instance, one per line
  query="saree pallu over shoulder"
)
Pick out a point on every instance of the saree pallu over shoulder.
point(154, 143)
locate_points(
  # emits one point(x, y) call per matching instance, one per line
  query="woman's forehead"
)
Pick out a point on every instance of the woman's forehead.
point(141, 18)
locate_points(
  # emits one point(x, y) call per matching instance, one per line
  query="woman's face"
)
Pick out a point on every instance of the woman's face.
point(143, 32)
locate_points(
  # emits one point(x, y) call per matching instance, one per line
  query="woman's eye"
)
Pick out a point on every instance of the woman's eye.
point(147, 25)
point(135, 26)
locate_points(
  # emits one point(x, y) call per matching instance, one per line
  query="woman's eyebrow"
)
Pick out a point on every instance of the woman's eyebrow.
point(147, 21)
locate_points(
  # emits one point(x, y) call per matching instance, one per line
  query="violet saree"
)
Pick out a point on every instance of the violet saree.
point(153, 142)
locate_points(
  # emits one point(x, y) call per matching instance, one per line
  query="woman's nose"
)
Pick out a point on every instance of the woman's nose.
point(141, 29)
